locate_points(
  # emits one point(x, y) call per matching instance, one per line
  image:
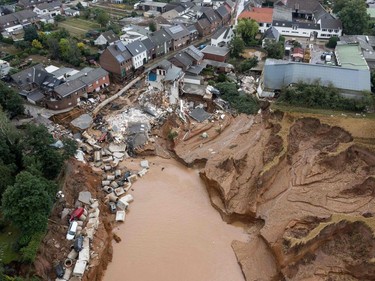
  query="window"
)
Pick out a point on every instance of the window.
point(330, 30)
point(336, 30)
point(324, 29)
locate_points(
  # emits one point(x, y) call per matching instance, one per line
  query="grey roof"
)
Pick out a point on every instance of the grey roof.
point(199, 114)
point(331, 23)
point(17, 17)
point(160, 37)
point(222, 30)
point(70, 87)
point(154, 4)
point(303, 6)
point(222, 11)
point(279, 73)
point(110, 36)
point(88, 75)
point(272, 33)
point(177, 31)
point(173, 73)
point(27, 76)
point(179, 9)
point(192, 28)
point(184, 59)
point(119, 51)
point(135, 48)
point(320, 13)
point(148, 44)
point(49, 5)
point(195, 69)
point(282, 14)
point(229, 3)
point(62, 71)
point(204, 23)
point(193, 52)
point(36, 95)
point(210, 14)
point(305, 25)
point(219, 51)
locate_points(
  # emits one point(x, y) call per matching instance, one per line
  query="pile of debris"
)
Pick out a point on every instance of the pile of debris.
point(248, 85)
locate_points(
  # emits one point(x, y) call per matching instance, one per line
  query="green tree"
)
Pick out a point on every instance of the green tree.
point(353, 15)
point(274, 49)
point(79, 6)
point(28, 203)
point(36, 44)
point(134, 14)
point(248, 64)
point(332, 42)
point(247, 29)
point(11, 101)
point(102, 17)
point(30, 33)
point(54, 47)
point(152, 26)
point(236, 47)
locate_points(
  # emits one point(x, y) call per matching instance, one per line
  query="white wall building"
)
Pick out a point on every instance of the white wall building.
point(138, 52)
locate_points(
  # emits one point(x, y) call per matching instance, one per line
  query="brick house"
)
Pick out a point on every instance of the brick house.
point(180, 36)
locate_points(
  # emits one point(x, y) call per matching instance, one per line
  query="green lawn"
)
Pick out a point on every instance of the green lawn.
point(8, 239)
point(78, 27)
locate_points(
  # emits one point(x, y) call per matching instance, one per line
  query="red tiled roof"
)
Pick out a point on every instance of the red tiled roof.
point(260, 15)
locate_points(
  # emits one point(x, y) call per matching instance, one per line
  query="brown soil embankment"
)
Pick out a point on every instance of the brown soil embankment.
point(307, 187)
point(55, 248)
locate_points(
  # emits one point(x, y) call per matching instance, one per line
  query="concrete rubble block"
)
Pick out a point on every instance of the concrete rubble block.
point(94, 214)
point(97, 156)
point(107, 159)
point(121, 147)
point(84, 254)
point(73, 254)
point(93, 223)
point(119, 191)
point(80, 223)
point(68, 273)
point(127, 186)
point(132, 178)
point(65, 212)
point(118, 173)
point(114, 184)
point(107, 151)
point(144, 164)
point(122, 204)
point(142, 172)
point(79, 268)
point(119, 155)
point(94, 205)
point(107, 189)
point(107, 168)
point(120, 216)
point(75, 279)
point(60, 279)
point(116, 162)
point(111, 177)
point(82, 218)
point(84, 197)
point(97, 147)
point(128, 198)
point(90, 233)
point(111, 198)
point(106, 183)
point(98, 164)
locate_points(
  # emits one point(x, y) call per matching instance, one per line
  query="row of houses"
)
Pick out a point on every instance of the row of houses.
point(122, 57)
point(298, 18)
point(59, 88)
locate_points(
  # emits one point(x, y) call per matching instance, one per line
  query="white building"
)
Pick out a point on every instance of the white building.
point(48, 8)
point(138, 52)
point(222, 37)
point(4, 68)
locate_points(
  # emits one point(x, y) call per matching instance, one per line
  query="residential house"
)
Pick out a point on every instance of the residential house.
point(95, 79)
point(71, 12)
point(203, 26)
point(271, 35)
point(220, 54)
point(171, 14)
point(106, 38)
point(27, 4)
point(194, 34)
point(163, 42)
point(230, 6)
point(263, 16)
point(15, 22)
point(153, 6)
point(138, 52)
point(166, 77)
point(182, 60)
point(180, 36)
point(213, 17)
point(151, 48)
point(222, 37)
point(7, 9)
point(134, 33)
point(224, 15)
point(195, 54)
point(351, 79)
point(117, 60)
point(48, 8)
point(66, 95)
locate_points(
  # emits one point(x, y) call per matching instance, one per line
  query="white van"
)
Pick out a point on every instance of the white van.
point(72, 230)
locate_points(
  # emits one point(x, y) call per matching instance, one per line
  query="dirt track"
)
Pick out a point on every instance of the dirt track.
point(306, 187)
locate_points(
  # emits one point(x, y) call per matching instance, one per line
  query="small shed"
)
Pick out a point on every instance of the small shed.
point(220, 54)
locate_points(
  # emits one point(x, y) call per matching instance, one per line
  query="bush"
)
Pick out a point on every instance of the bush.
point(172, 135)
point(317, 96)
point(332, 42)
point(29, 252)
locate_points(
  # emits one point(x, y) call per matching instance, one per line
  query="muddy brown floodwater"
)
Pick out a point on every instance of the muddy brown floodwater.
point(172, 232)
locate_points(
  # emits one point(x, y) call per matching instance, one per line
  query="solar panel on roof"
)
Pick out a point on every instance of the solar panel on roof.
point(121, 47)
point(176, 29)
point(120, 58)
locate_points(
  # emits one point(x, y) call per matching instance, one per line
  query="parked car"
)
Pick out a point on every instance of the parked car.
point(78, 243)
point(77, 213)
point(112, 207)
point(72, 230)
